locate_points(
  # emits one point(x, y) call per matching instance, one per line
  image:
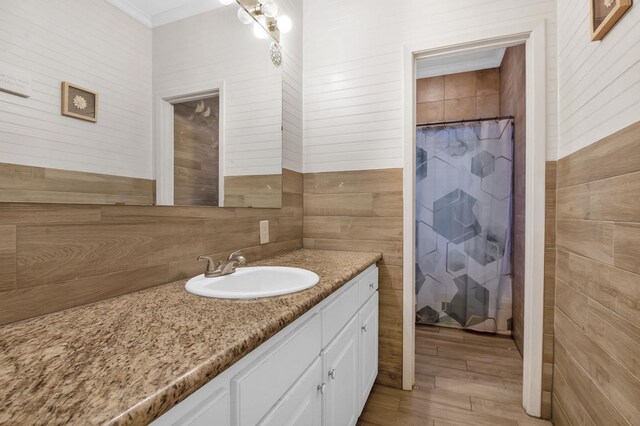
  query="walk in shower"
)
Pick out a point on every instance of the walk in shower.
point(464, 185)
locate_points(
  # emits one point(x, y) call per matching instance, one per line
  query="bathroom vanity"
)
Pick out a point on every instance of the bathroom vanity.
point(165, 356)
point(318, 370)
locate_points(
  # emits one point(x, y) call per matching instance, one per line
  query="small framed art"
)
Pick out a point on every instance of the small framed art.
point(78, 102)
point(605, 14)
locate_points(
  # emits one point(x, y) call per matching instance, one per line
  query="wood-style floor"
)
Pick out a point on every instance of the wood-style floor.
point(462, 378)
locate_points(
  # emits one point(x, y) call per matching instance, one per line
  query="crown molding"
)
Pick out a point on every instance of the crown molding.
point(181, 12)
point(133, 11)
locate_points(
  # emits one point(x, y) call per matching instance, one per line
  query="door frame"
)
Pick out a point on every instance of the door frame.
point(533, 35)
point(164, 143)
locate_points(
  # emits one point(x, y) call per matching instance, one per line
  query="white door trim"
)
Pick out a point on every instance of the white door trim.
point(163, 131)
point(533, 35)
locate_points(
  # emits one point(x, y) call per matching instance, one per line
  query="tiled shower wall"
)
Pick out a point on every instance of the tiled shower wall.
point(597, 314)
point(462, 96)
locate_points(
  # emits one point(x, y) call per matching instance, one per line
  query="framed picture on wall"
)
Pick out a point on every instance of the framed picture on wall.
point(605, 14)
point(78, 102)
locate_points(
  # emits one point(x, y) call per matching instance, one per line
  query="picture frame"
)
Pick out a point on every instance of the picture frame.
point(605, 14)
point(78, 102)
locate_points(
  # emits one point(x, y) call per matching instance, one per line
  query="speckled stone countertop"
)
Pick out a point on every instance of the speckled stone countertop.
point(129, 359)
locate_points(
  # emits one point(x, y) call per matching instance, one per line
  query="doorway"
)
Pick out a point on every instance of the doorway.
point(532, 35)
point(189, 129)
point(196, 148)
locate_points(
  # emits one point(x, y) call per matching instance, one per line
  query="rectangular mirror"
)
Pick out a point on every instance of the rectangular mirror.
point(146, 103)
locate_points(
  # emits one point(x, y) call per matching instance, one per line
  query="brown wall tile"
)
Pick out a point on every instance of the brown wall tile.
point(488, 82)
point(430, 112)
point(597, 323)
point(614, 155)
point(69, 255)
point(7, 257)
point(626, 250)
point(362, 211)
point(461, 85)
point(430, 89)
point(460, 109)
point(488, 106)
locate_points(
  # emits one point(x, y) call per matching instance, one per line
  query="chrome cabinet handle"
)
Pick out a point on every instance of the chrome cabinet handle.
point(371, 286)
point(322, 388)
point(364, 328)
point(332, 374)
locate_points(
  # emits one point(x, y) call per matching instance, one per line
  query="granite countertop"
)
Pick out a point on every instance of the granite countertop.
point(129, 359)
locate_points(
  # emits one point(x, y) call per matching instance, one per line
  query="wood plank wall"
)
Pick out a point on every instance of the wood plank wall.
point(196, 152)
point(549, 287)
point(29, 184)
point(362, 211)
point(597, 314)
point(255, 190)
point(56, 256)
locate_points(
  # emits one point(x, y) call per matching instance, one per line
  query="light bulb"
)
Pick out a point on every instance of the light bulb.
point(226, 2)
point(284, 24)
point(269, 9)
point(258, 30)
point(244, 16)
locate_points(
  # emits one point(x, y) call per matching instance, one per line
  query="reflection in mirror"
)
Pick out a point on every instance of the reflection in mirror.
point(188, 105)
point(196, 152)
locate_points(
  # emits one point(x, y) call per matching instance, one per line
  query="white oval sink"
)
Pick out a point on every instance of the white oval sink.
point(254, 282)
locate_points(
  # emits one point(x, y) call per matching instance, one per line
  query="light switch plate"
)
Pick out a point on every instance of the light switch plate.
point(264, 231)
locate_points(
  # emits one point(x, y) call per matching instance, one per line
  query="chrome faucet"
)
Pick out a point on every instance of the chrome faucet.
point(225, 267)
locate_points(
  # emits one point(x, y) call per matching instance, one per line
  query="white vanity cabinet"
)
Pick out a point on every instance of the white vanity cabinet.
point(317, 371)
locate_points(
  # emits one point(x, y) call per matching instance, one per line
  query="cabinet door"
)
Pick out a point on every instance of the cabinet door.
point(340, 371)
point(302, 404)
point(368, 348)
point(207, 406)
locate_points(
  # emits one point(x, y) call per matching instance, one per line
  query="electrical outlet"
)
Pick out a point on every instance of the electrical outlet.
point(264, 231)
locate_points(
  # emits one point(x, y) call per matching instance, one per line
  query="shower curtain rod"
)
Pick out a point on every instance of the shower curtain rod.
point(445, 123)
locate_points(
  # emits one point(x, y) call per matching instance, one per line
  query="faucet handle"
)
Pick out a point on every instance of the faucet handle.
point(235, 254)
point(211, 264)
point(238, 257)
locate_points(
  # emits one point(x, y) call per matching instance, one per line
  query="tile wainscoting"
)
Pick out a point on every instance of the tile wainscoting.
point(597, 299)
point(54, 257)
point(362, 211)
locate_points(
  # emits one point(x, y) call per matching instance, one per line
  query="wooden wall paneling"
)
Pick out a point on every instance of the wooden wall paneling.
point(7, 257)
point(610, 199)
point(615, 155)
point(253, 191)
point(362, 211)
point(587, 238)
point(28, 184)
point(196, 152)
point(605, 382)
point(597, 322)
point(69, 255)
point(626, 251)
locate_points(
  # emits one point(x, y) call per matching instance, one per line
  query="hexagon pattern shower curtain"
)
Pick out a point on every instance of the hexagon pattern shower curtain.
point(463, 225)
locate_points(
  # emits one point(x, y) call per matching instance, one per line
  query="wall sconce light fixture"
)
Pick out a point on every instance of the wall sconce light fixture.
point(263, 14)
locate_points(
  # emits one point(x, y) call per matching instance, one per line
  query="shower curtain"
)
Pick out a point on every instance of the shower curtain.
point(463, 225)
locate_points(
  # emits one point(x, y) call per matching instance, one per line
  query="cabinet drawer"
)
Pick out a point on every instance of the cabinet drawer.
point(368, 285)
point(258, 388)
point(336, 315)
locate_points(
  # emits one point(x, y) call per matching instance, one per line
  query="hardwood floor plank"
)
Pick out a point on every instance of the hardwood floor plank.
point(462, 378)
point(501, 409)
